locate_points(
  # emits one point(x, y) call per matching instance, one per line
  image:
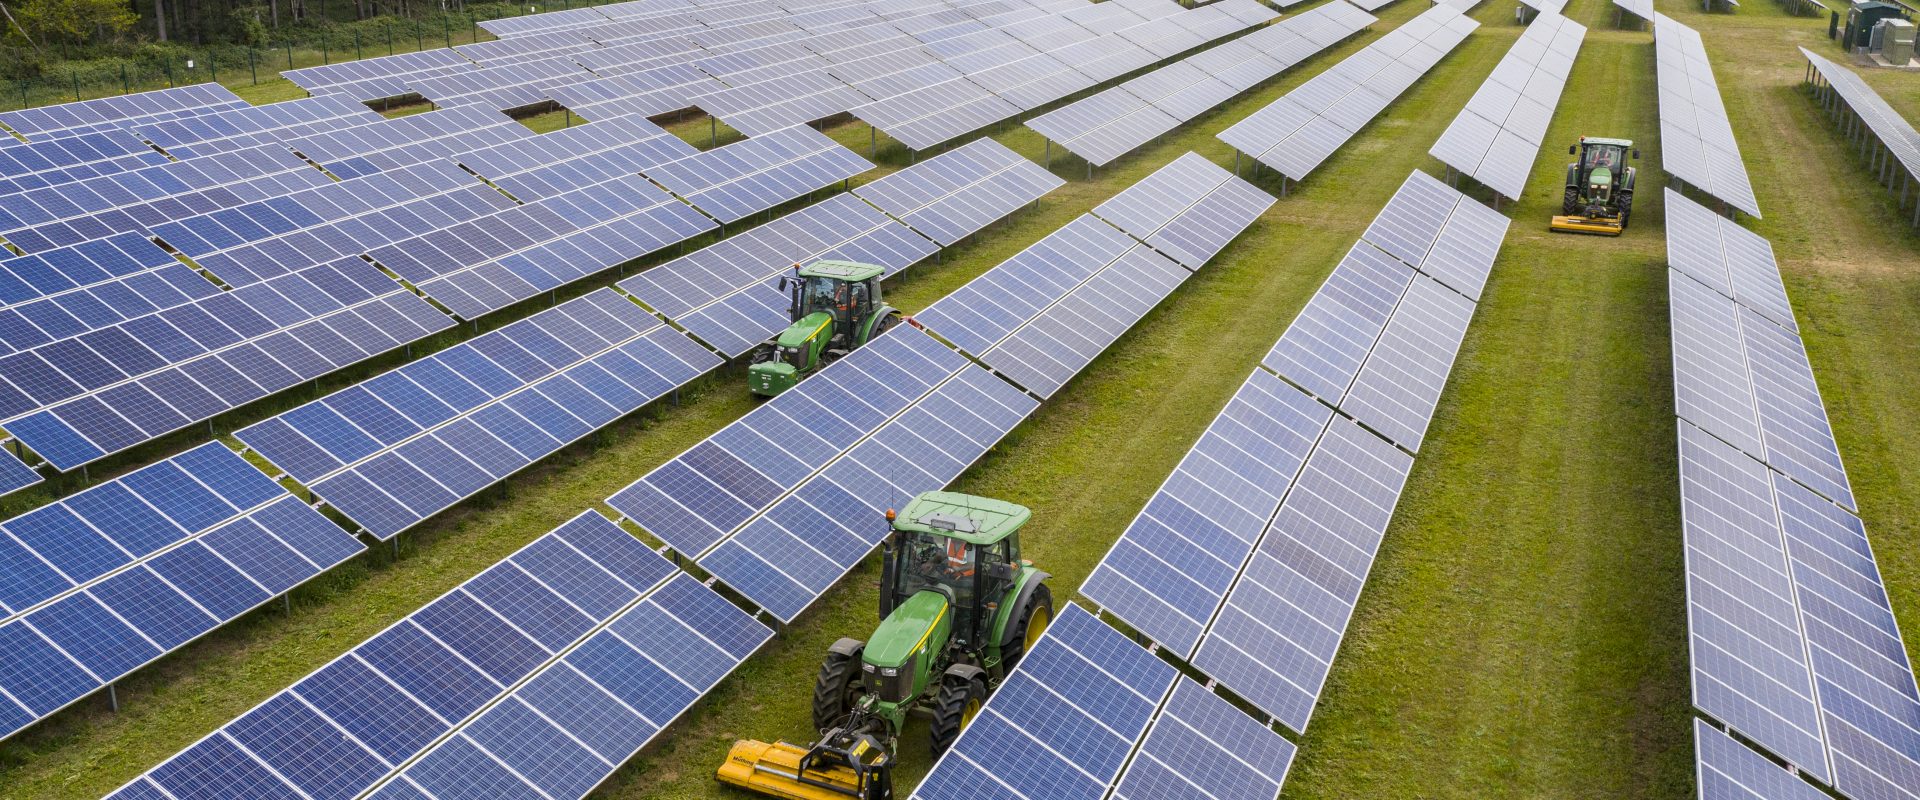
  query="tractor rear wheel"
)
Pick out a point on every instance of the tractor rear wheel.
point(1570, 202)
point(953, 709)
point(839, 684)
point(1027, 625)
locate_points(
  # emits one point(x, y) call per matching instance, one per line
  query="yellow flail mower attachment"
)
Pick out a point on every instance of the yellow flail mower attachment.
point(1602, 226)
point(842, 765)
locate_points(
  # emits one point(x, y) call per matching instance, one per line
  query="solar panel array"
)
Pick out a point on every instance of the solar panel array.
point(956, 193)
point(1297, 132)
point(1728, 770)
point(1639, 8)
point(1696, 140)
point(1838, 85)
point(734, 182)
point(402, 446)
point(1112, 123)
point(1494, 138)
point(252, 126)
point(1545, 6)
point(31, 165)
point(15, 474)
point(106, 113)
point(111, 578)
point(1794, 643)
point(1249, 559)
point(1189, 209)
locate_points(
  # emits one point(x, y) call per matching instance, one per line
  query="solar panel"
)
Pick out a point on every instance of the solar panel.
point(1399, 385)
point(1730, 259)
point(987, 309)
point(1725, 769)
point(566, 159)
point(404, 445)
point(1886, 123)
point(1200, 745)
point(1062, 724)
point(1494, 138)
point(1750, 667)
point(786, 558)
point(959, 192)
point(1639, 8)
point(1437, 230)
point(937, 113)
point(1170, 569)
point(644, 92)
point(703, 495)
point(110, 112)
point(15, 474)
point(1697, 143)
point(378, 77)
point(734, 182)
point(241, 128)
point(403, 141)
point(109, 579)
point(32, 165)
point(346, 726)
point(1324, 347)
point(1274, 640)
point(797, 96)
point(1033, 81)
point(511, 85)
point(1189, 209)
point(1049, 350)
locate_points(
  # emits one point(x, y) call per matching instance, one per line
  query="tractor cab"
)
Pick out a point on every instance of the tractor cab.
point(964, 550)
point(1599, 187)
point(833, 307)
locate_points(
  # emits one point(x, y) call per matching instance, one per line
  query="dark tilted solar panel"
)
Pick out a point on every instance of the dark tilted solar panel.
point(408, 140)
point(961, 191)
point(583, 715)
point(400, 447)
point(1730, 259)
point(700, 497)
point(103, 392)
point(1062, 724)
point(988, 308)
point(1748, 649)
point(802, 545)
point(64, 214)
point(738, 180)
point(96, 266)
point(65, 159)
point(15, 474)
point(1189, 209)
point(1323, 348)
point(1399, 385)
point(1697, 144)
point(1274, 640)
point(226, 131)
point(1729, 770)
point(1171, 568)
point(1049, 350)
point(347, 725)
point(110, 112)
point(134, 568)
point(1200, 745)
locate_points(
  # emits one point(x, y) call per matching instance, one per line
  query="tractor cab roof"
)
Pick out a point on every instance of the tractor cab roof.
point(1605, 140)
point(971, 519)
point(849, 271)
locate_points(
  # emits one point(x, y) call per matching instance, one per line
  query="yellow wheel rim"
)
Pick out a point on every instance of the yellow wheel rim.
point(1037, 624)
point(972, 710)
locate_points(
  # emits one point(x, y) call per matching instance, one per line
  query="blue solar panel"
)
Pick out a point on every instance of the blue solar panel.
point(235, 129)
point(196, 98)
point(957, 193)
point(1200, 745)
point(403, 141)
point(1727, 770)
point(1275, 639)
point(15, 474)
point(738, 180)
point(1189, 209)
point(1399, 386)
point(702, 495)
point(1326, 344)
point(1048, 351)
point(342, 729)
point(1063, 723)
point(1169, 571)
point(990, 307)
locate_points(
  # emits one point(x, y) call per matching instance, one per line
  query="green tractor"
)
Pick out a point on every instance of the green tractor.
point(958, 607)
point(1599, 195)
point(836, 306)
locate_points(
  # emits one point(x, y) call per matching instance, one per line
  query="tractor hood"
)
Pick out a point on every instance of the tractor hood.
point(1600, 176)
point(801, 332)
point(907, 630)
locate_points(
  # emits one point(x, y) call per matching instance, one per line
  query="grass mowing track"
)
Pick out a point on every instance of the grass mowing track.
point(1523, 633)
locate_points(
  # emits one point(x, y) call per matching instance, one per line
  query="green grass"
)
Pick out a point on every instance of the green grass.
point(1522, 635)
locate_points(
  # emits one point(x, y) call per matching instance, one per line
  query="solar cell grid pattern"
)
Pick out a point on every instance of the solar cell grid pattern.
point(1888, 125)
point(1493, 139)
point(1297, 132)
point(1727, 258)
point(1435, 229)
point(15, 474)
point(105, 113)
point(64, 159)
point(1169, 571)
point(1274, 640)
point(109, 579)
point(1696, 140)
point(798, 96)
point(1062, 724)
point(402, 446)
point(1400, 383)
point(988, 308)
point(1047, 351)
point(557, 161)
point(937, 113)
point(402, 141)
point(366, 79)
point(104, 391)
point(345, 727)
point(224, 131)
point(738, 180)
point(705, 494)
point(1189, 209)
point(1725, 769)
point(952, 195)
point(643, 93)
point(1200, 745)
point(105, 278)
point(504, 86)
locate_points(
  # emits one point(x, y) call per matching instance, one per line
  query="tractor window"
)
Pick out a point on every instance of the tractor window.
point(937, 563)
point(1608, 157)
point(819, 294)
point(859, 299)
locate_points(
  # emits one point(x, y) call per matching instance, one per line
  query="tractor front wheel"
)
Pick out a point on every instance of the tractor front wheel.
point(838, 685)
point(1026, 626)
point(1626, 206)
point(953, 709)
point(1570, 203)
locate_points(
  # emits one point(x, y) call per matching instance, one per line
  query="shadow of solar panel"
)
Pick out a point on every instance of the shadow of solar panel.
point(1172, 566)
point(1201, 743)
point(1728, 770)
point(390, 697)
point(989, 308)
point(1274, 640)
point(700, 497)
point(1063, 723)
point(1748, 649)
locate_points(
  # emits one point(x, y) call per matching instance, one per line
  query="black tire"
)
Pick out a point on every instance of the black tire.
point(1012, 650)
point(1570, 203)
point(953, 708)
point(1626, 206)
point(839, 684)
point(885, 324)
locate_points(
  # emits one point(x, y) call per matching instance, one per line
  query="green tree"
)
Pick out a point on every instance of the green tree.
point(75, 20)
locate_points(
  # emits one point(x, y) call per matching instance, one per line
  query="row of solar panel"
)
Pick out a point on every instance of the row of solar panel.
point(1110, 124)
point(1838, 85)
point(1298, 131)
point(1795, 646)
point(1250, 557)
point(1696, 139)
point(1493, 140)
